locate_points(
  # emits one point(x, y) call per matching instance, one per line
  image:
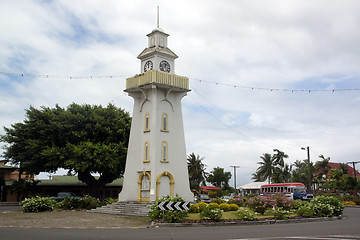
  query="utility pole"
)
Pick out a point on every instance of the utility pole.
point(235, 167)
point(309, 167)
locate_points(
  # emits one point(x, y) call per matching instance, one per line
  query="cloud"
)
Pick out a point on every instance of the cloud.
point(299, 45)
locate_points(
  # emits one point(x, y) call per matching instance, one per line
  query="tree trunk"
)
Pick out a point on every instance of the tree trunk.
point(95, 186)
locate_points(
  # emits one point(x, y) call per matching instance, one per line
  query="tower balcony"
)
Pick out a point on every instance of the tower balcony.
point(159, 78)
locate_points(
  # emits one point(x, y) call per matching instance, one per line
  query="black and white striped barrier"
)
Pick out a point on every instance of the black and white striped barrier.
point(181, 206)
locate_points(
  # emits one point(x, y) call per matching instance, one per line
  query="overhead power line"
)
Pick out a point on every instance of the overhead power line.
point(31, 75)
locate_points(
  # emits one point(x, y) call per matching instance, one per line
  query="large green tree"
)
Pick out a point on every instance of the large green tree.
point(196, 169)
point(219, 178)
point(88, 140)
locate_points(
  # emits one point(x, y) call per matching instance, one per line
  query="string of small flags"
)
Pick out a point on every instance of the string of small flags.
point(29, 75)
point(280, 89)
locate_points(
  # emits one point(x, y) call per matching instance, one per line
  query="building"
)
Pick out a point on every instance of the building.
point(51, 187)
point(251, 188)
point(156, 160)
point(9, 175)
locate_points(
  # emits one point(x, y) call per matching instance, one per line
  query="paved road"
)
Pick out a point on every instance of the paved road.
point(347, 228)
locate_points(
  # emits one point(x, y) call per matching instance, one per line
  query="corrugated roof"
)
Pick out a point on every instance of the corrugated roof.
point(72, 181)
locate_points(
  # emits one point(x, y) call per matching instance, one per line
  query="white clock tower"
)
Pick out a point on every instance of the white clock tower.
point(156, 163)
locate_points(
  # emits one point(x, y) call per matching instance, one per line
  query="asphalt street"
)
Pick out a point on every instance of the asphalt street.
point(346, 228)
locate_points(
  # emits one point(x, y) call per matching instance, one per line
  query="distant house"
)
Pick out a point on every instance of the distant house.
point(251, 188)
point(8, 175)
point(350, 170)
point(50, 187)
point(206, 189)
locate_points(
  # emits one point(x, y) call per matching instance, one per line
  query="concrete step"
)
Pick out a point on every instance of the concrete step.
point(140, 209)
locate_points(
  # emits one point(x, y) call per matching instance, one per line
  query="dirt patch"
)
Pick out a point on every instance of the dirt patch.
point(70, 219)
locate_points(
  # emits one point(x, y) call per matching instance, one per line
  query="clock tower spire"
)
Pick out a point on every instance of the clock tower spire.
point(157, 55)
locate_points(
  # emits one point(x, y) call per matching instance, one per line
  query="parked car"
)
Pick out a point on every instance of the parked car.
point(62, 195)
point(225, 198)
point(204, 198)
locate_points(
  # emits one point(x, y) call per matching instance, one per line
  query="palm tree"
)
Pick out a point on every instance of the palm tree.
point(279, 157)
point(322, 168)
point(279, 160)
point(196, 169)
point(266, 168)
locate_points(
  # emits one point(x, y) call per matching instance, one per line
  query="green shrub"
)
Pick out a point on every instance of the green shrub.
point(70, 204)
point(284, 202)
point(234, 207)
point(225, 207)
point(245, 214)
point(238, 201)
point(38, 204)
point(322, 209)
point(201, 206)
point(217, 200)
point(214, 205)
point(305, 210)
point(280, 213)
point(335, 203)
point(259, 204)
point(211, 211)
point(87, 202)
point(194, 208)
point(169, 216)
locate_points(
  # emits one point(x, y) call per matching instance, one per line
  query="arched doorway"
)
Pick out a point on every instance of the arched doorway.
point(164, 185)
point(144, 183)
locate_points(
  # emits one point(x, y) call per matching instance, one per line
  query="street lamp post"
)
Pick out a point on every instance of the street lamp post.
point(309, 167)
point(235, 167)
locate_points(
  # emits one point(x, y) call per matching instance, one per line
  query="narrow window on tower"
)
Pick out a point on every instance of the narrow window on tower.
point(164, 152)
point(147, 123)
point(146, 152)
point(164, 123)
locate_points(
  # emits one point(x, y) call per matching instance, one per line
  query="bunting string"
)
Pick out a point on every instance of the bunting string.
point(29, 75)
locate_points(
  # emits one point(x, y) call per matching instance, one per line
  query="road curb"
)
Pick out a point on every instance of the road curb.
point(262, 222)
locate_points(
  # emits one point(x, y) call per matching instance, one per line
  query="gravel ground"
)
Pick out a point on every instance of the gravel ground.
point(69, 219)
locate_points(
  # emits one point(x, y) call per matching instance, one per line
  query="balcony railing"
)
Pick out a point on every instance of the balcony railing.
point(155, 76)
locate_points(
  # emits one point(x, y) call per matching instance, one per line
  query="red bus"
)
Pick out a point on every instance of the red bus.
point(291, 190)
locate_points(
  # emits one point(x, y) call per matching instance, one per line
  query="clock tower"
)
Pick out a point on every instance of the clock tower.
point(157, 55)
point(156, 164)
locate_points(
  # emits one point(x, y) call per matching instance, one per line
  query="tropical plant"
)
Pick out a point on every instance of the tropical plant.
point(38, 204)
point(218, 177)
point(211, 211)
point(246, 214)
point(267, 166)
point(170, 216)
point(196, 169)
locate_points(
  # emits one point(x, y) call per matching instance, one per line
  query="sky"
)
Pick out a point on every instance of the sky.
point(264, 74)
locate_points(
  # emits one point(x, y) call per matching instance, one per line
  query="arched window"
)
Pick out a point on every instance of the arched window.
point(164, 152)
point(146, 152)
point(164, 123)
point(147, 123)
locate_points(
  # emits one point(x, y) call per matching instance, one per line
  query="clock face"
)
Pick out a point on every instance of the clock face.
point(148, 66)
point(164, 66)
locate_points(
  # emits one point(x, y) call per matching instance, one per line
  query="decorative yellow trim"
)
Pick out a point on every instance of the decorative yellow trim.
point(147, 122)
point(146, 152)
point(164, 152)
point(158, 77)
point(165, 173)
point(164, 123)
point(140, 199)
